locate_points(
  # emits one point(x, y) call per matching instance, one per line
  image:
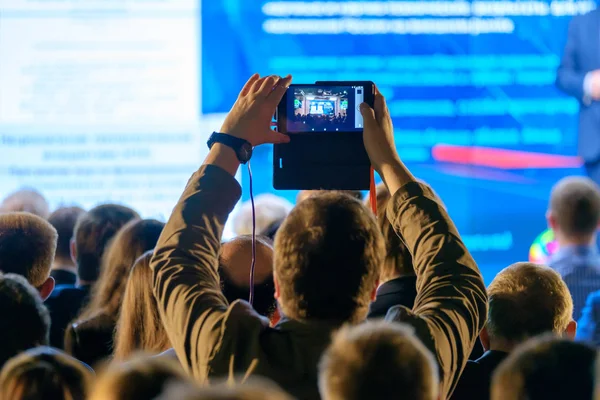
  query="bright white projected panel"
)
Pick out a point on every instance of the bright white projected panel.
point(100, 101)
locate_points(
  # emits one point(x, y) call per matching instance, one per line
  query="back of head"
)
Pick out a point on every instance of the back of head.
point(547, 368)
point(139, 379)
point(64, 220)
point(133, 240)
point(575, 206)
point(398, 261)
point(46, 373)
point(269, 210)
point(306, 194)
point(377, 360)
point(253, 389)
point(26, 200)
point(235, 261)
point(93, 232)
point(25, 319)
point(526, 300)
point(27, 246)
point(139, 328)
point(328, 255)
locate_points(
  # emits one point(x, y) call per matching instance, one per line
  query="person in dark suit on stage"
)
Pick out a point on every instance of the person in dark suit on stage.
point(579, 76)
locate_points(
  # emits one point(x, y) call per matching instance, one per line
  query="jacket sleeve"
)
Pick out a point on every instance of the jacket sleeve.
point(569, 78)
point(451, 305)
point(185, 270)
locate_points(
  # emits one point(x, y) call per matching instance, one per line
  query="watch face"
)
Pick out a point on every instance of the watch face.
point(245, 152)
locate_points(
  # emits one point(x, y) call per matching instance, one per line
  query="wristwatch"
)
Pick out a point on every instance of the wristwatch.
point(242, 148)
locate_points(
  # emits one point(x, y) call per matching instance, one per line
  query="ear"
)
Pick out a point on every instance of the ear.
point(73, 250)
point(277, 291)
point(551, 220)
point(571, 330)
point(485, 338)
point(47, 288)
point(374, 292)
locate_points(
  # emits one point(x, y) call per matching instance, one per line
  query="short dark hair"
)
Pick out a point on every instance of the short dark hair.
point(575, 205)
point(264, 289)
point(526, 300)
point(27, 246)
point(547, 368)
point(377, 360)
point(328, 255)
point(93, 231)
point(25, 319)
point(63, 220)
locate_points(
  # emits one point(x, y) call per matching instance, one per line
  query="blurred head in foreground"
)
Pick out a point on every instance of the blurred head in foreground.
point(547, 368)
point(45, 373)
point(377, 360)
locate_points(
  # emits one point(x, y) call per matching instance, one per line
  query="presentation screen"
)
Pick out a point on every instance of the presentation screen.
point(469, 85)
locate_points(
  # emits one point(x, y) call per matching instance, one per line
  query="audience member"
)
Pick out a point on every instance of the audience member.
point(574, 215)
point(234, 269)
point(27, 248)
point(139, 328)
point(252, 389)
point(306, 194)
point(547, 368)
point(93, 231)
point(377, 360)
point(525, 300)
point(45, 373)
point(90, 337)
point(328, 254)
point(25, 319)
point(268, 210)
point(397, 277)
point(64, 269)
point(142, 378)
point(26, 200)
point(588, 326)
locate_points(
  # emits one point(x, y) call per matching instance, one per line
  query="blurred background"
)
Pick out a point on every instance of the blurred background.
point(113, 100)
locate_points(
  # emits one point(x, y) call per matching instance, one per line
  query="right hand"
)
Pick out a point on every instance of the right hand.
point(595, 84)
point(379, 134)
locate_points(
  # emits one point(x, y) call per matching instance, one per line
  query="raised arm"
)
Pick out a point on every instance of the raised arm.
point(451, 304)
point(185, 262)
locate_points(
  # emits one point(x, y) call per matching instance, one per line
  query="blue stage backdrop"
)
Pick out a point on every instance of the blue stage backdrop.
point(469, 84)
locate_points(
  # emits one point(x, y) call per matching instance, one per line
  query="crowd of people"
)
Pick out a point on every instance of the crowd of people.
point(346, 305)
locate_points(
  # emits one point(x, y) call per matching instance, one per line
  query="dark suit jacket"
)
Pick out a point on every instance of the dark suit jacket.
point(63, 277)
point(91, 341)
point(65, 303)
point(476, 379)
point(582, 55)
point(400, 291)
point(213, 338)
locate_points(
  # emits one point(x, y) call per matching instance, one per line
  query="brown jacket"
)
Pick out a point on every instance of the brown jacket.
point(213, 338)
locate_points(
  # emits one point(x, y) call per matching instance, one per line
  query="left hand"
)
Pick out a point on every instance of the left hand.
point(250, 117)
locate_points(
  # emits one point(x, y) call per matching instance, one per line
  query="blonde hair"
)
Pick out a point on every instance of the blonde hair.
point(132, 240)
point(27, 246)
point(139, 327)
point(253, 388)
point(526, 300)
point(139, 379)
point(377, 360)
point(44, 372)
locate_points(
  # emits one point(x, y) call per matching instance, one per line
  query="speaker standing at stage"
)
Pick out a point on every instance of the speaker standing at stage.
point(579, 76)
